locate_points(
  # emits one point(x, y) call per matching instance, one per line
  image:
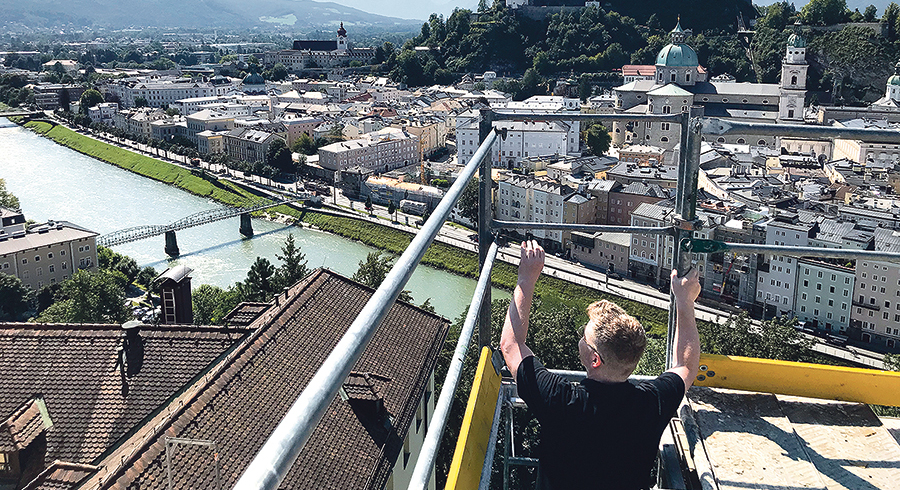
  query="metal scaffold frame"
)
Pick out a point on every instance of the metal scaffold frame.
point(271, 465)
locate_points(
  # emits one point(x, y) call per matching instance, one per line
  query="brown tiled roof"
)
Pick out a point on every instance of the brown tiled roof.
point(241, 400)
point(245, 313)
point(74, 368)
point(22, 427)
point(60, 476)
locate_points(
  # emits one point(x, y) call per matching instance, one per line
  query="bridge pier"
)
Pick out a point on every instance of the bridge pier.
point(246, 226)
point(171, 244)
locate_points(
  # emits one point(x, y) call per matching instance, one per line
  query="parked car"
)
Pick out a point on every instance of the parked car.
point(614, 275)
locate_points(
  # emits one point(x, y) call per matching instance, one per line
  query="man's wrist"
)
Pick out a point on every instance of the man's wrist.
point(683, 304)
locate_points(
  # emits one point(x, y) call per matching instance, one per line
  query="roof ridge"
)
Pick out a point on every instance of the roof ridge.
point(143, 444)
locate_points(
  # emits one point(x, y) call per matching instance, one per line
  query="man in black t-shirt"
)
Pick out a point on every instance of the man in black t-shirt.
point(601, 433)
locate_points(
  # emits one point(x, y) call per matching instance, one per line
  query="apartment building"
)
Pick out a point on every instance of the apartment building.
point(44, 254)
point(207, 120)
point(606, 251)
point(534, 199)
point(824, 295)
point(380, 151)
point(651, 255)
point(876, 303)
point(776, 289)
point(623, 200)
point(523, 139)
point(248, 145)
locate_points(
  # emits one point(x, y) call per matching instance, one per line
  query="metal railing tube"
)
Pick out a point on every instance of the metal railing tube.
point(832, 253)
point(485, 213)
point(428, 454)
point(273, 461)
point(719, 127)
point(488, 467)
point(523, 225)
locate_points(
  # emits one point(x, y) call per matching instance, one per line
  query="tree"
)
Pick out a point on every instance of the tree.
point(773, 339)
point(293, 267)
point(889, 19)
point(15, 298)
point(374, 269)
point(260, 279)
point(140, 102)
point(824, 12)
point(90, 297)
point(597, 139)
point(7, 199)
point(110, 260)
point(88, 99)
point(870, 14)
point(468, 202)
point(304, 145)
point(146, 276)
point(392, 208)
point(279, 156)
point(212, 303)
point(369, 203)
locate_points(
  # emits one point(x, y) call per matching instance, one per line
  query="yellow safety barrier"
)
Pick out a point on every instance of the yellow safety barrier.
point(800, 379)
point(471, 447)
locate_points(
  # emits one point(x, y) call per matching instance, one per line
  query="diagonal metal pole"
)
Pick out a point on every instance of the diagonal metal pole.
point(485, 214)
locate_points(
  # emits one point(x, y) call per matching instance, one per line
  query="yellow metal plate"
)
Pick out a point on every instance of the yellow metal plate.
point(471, 447)
point(800, 379)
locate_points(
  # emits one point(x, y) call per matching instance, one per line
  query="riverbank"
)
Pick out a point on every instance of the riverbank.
point(553, 291)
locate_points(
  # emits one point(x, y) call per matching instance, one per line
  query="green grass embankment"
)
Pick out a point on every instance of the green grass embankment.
point(441, 256)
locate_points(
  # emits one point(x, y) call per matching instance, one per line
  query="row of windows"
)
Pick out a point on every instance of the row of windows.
point(37, 258)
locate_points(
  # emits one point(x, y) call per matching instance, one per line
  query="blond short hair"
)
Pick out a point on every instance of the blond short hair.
point(617, 336)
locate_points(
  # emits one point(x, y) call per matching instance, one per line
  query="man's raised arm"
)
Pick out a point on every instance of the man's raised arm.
point(687, 340)
point(515, 328)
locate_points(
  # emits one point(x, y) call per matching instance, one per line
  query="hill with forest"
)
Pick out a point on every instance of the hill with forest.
point(850, 61)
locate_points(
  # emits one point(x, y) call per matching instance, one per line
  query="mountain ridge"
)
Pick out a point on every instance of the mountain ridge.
point(196, 13)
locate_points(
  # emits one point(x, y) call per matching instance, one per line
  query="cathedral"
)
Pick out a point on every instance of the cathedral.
point(320, 54)
point(679, 84)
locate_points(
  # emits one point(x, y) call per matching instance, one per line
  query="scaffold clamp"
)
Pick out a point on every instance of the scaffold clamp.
point(696, 245)
point(687, 225)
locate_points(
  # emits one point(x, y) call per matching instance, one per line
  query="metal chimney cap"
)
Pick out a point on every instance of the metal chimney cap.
point(132, 325)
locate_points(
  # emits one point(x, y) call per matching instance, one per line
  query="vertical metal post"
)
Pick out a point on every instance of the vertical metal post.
point(485, 213)
point(685, 210)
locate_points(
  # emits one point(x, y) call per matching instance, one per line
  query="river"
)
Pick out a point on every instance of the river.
point(54, 182)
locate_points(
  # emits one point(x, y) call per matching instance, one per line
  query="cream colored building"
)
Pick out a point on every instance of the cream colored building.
point(45, 254)
point(380, 151)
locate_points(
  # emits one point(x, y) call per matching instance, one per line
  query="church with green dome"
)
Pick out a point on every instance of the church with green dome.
point(678, 83)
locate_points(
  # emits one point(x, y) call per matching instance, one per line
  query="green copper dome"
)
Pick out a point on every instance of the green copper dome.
point(254, 79)
point(677, 55)
point(895, 78)
point(796, 41)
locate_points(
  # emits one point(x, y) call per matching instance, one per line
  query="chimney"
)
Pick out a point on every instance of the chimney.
point(175, 294)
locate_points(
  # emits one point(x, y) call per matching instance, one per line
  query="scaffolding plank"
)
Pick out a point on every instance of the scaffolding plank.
point(846, 442)
point(892, 424)
point(750, 442)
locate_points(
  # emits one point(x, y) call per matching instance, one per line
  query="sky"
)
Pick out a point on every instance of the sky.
point(418, 9)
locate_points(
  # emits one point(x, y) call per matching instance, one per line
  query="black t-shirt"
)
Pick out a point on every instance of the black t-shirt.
point(598, 435)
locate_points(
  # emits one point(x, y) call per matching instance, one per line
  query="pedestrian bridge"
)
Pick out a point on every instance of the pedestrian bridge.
point(136, 233)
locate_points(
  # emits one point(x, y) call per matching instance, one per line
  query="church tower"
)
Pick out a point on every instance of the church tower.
point(342, 38)
point(793, 80)
point(892, 91)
